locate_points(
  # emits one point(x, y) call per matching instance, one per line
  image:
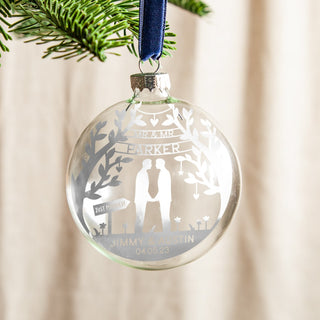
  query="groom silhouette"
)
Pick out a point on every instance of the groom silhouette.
point(164, 194)
point(142, 195)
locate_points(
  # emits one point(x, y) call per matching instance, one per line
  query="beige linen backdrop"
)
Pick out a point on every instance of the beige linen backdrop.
point(254, 65)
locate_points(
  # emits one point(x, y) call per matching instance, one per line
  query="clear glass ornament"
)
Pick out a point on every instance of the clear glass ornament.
point(152, 183)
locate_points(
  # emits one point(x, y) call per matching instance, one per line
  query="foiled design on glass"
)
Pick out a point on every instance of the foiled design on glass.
point(163, 196)
point(151, 182)
point(212, 167)
point(93, 156)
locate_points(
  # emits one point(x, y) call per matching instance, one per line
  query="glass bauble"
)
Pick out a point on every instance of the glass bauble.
point(152, 183)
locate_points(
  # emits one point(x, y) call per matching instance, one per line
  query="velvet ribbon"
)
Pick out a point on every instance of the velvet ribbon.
point(151, 28)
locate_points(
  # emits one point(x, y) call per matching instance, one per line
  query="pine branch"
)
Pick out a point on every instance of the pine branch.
point(76, 28)
point(5, 8)
point(81, 28)
point(194, 6)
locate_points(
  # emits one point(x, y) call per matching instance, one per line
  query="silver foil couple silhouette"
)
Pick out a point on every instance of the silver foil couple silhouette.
point(142, 196)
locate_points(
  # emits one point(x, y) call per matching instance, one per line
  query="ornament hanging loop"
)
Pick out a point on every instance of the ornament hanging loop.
point(154, 72)
point(152, 23)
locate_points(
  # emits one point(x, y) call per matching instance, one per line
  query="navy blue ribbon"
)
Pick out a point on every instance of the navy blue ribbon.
point(151, 28)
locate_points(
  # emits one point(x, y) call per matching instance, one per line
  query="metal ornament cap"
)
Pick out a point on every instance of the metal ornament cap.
point(150, 81)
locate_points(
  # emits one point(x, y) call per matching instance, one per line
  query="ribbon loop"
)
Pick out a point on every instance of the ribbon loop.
point(151, 28)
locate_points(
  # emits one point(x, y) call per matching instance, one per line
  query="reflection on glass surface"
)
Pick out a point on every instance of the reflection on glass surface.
point(152, 183)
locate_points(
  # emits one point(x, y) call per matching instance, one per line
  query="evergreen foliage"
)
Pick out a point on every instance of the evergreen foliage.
point(81, 28)
point(5, 12)
point(194, 6)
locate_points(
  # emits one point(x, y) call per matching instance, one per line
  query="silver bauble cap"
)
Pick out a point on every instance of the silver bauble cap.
point(150, 81)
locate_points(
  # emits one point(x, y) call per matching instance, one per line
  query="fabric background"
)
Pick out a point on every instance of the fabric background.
point(255, 66)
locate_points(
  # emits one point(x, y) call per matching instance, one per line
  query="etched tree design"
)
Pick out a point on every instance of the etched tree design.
point(94, 156)
point(205, 173)
point(213, 167)
point(105, 178)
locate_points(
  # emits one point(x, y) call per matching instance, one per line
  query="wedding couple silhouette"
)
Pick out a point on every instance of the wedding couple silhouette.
point(142, 195)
